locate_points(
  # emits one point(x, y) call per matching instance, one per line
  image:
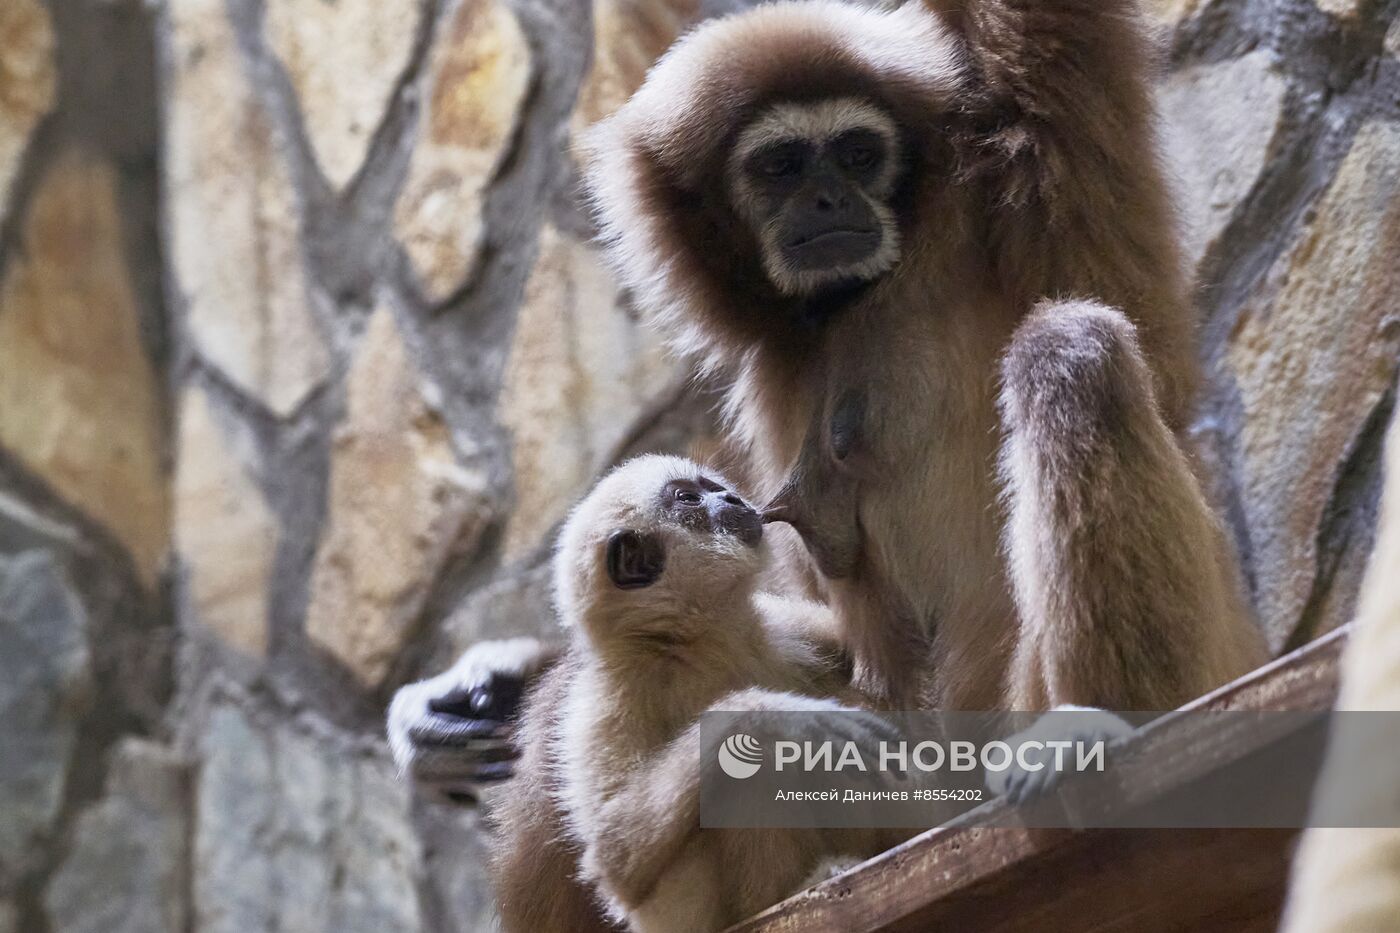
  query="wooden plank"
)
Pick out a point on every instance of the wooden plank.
point(970, 875)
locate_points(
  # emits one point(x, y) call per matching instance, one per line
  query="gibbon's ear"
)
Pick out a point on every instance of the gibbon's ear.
point(635, 559)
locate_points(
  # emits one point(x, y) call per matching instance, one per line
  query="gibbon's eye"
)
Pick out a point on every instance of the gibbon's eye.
point(860, 157)
point(784, 160)
point(687, 495)
point(781, 166)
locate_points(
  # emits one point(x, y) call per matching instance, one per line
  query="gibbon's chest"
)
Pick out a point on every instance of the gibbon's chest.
point(923, 371)
point(923, 468)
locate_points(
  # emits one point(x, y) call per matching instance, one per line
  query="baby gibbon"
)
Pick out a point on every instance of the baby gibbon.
point(656, 573)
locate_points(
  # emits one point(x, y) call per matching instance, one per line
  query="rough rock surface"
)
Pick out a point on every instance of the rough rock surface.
point(399, 506)
point(295, 830)
point(79, 399)
point(26, 80)
point(581, 370)
point(45, 688)
point(233, 215)
point(1309, 378)
point(128, 868)
point(1218, 145)
point(225, 532)
point(476, 77)
point(628, 37)
point(344, 60)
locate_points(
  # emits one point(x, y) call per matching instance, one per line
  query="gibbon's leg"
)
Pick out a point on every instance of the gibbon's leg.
point(534, 857)
point(1125, 586)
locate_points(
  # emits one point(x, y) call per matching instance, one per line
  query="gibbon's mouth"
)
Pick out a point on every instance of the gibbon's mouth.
point(745, 524)
point(833, 247)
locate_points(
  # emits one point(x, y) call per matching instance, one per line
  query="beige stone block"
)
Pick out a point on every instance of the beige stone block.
point(225, 533)
point(628, 35)
point(1171, 12)
point(233, 216)
point(581, 370)
point(344, 59)
point(1312, 357)
point(1221, 120)
point(80, 404)
point(478, 72)
point(26, 80)
point(399, 506)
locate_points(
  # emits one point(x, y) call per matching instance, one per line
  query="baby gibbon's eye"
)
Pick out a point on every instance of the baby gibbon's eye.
point(687, 495)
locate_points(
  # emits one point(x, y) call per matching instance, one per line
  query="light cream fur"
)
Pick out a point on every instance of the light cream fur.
point(1348, 880)
point(647, 663)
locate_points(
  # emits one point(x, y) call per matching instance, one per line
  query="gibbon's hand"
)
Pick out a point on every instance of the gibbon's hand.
point(1065, 722)
point(452, 733)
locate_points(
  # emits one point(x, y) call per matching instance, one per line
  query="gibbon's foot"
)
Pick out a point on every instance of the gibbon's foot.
point(1067, 722)
point(452, 733)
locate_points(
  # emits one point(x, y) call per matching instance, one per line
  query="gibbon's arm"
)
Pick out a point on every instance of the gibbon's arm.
point(1064, 135)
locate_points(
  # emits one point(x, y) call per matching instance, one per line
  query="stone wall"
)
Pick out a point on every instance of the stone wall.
point(304, 351)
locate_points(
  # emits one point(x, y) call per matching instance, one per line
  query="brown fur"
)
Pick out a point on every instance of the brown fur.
point(1032, 175)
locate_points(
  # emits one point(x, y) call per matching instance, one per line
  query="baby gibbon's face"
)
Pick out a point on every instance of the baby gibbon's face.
point(700, 506)
point(659, 536)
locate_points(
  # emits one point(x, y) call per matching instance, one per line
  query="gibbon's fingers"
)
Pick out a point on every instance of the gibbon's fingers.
point(496, 697)
point(438, 767)
point(1067, 723)
point(442, 730)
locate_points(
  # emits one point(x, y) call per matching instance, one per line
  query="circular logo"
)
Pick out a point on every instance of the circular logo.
point(740, 756)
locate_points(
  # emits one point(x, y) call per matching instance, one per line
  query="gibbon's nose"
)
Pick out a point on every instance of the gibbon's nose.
point(830, 198)
point(730, 514)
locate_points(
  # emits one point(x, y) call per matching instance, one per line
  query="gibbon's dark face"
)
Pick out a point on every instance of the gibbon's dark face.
point(813, 181)
point(637, 559)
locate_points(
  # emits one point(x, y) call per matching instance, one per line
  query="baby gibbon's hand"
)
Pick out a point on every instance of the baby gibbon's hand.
point(452, 733)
